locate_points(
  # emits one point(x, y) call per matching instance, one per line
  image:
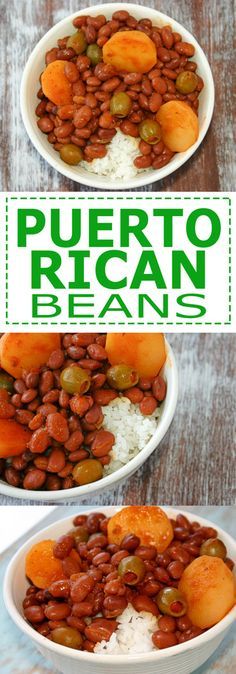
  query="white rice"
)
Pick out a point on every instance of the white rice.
point(133, 634)
point(119, 160)
point(132, 430)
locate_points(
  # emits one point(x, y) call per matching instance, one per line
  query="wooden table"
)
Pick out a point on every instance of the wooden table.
point(19, 656)
point(24, 23)
point(194, 464)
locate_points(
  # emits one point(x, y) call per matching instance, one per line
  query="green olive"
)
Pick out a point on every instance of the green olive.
point(75, 380)
point(171, 602)
point(214, 547)
point(81, 534)
point(122, 377)
point(186, 82)
point(132, 570)
point(67, 636)
point(86, 471)
point(94, 53)
point(77, 42)
point(6, 382)
point(71, 154)
point(120, 104)
point(150, 131)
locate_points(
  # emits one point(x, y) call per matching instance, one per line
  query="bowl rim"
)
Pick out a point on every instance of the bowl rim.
point(99, 181)
point(108, 481)
point(97, 658)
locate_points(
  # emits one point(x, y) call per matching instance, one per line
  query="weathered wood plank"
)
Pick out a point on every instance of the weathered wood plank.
point(24, 23)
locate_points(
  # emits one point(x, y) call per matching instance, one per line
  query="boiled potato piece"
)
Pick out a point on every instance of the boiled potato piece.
point(26, 351)
point(149, 523)
point(131, 50)
point(209, 588)
point(55, 84)
point(179, 125)
point(13, 438)
point(41, 567)
point(143, 351)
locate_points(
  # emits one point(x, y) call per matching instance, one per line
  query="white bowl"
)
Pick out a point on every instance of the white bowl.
point(184, 658)
point(30, 85)
point(170, 374)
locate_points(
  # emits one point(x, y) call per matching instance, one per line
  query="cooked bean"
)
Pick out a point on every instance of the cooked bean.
point(82, 116)
point(167, 37)
point(164, 639)
point(40, 441)
point(82, 609)
point(57, 427)
point(95, 151)
point(102, 443)
point(129, 129)
point(35, 614)
point(100, 629)
point(34, 479)
point(134, 394)
point(106, 120)
point(12, 476)
point(143, 603)
point(115, 605)
point(184, 48)
point(143, 162)
point(147, 405)
point(56, 461)
point(155, 102)
point(57, 611)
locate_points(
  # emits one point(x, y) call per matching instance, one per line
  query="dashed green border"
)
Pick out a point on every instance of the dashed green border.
point(118, 198)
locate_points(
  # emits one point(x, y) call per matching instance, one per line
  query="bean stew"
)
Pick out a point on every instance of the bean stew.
point(121, 74)
point(53, 391)
point(137, 557)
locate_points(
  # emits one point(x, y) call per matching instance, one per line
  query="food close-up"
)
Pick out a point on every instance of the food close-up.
point(78, 407)
point(122, 94)
point(121, 76)
point(124, 583)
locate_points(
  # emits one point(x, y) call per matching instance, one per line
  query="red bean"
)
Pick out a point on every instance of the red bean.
point(82, 116)
point(56, 611)
point(35, 614)
point(143, 603)
point(143, 162)
point(164, 639)
point(57, 427)
point(148, 405)
point(45, 124)
point(115, 605)
point(130, 129)
point(100, 629)
point(57, 461)
point(71, 72)
point(167, 624)
point(34, 479)
point(63, 546)
point(60, 588)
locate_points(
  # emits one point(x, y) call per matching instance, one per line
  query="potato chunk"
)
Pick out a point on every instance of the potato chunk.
point(13, 438)
point(130, 50)
point(149, 523)
point(26, 351)
point(209, 588)
point(145, 352)
point(41, 567)
point(179, 125)
point(55, 84)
